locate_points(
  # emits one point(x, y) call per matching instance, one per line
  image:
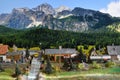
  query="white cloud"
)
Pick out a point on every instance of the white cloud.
point(113, 9)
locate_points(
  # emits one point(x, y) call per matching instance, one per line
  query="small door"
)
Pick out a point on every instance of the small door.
point(114, 57)
point(1, 59)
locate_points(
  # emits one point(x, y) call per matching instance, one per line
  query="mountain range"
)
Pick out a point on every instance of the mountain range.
point(62, 18)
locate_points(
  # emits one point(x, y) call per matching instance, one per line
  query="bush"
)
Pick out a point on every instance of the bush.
point(81, 66)
point(95, 65)
point(57, 68)
point(68, 65)
point(65, 64)
point(110, 64)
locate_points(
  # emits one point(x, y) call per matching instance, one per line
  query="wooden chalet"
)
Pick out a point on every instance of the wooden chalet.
point(95, 56)
point(3, 51)
point(15, 56)
point(59, 54)
point(114, 52)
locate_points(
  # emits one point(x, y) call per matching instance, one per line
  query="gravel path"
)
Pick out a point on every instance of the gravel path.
point(85, 77)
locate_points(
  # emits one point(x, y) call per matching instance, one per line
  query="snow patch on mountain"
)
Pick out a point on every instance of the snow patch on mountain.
point(61, 8)
point(62, 17)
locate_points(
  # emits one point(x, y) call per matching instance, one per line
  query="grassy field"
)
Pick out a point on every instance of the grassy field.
point(6, 75)
point(114, 70)
point(93, 74)
point(9, 71)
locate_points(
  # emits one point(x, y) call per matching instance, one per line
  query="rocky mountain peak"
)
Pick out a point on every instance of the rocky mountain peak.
point(77, 11)
point(62, 18)
point(20, 10)
point(46, 8)
point(62, 8)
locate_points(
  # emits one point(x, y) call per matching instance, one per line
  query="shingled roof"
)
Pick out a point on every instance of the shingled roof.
point(113, 50)
point(3, 49)
point(60, 51)
point(15, 53)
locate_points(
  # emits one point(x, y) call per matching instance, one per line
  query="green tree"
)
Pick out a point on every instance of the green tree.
point(48, 68)
point(90, 51)
point(65, 64)
point(81, 57)
point(72, 66)
point(85, 46)
point(17, 70)
point(27, 53)
point(1, 68)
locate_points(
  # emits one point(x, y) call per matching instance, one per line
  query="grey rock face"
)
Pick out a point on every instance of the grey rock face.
point(78, 19)
point(46, 8)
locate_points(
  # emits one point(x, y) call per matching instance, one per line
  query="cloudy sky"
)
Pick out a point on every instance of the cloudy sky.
point(107, 6)
point(112, 8)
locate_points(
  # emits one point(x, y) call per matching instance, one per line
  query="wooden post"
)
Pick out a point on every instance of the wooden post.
point(60, 59)
point(55, 58)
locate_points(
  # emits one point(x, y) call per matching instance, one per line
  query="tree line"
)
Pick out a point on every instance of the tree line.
point(46, 38)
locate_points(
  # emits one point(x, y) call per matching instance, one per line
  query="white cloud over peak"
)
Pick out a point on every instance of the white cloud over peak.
point(113, 9)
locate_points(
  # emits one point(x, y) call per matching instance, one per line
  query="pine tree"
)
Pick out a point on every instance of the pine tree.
point(90, 51)
point(66, 64)
point(17, 70)
point(72, 66)
point(80, 55)
point(27, 53)
point(48, 68)
point(1, 68)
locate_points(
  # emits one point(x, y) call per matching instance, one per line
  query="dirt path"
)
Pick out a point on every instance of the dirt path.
point(85, 77)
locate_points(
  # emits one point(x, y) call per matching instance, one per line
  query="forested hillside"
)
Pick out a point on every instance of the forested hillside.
point(34, 36)
point(6, 30)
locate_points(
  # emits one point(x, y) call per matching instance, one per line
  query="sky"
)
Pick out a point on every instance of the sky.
point(107, 6)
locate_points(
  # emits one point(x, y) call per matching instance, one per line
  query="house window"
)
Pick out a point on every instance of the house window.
point(113, 49)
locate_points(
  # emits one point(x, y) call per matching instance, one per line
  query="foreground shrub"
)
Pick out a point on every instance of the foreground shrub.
point(56, 68)
point(95, 65)
point(81, 66)
point(68, 65)
point(110, 64)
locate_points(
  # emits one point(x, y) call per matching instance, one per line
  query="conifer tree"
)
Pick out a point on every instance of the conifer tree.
point(17, 71)
point(65, 64)
point(1, 68)
point(27, 53)
point(48, 68)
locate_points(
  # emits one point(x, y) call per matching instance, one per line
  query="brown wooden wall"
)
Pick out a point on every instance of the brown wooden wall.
point(14, 57)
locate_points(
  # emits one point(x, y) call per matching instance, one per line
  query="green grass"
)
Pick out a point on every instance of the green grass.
point(115, 70)
point(6, 75)
point(93, 74)
point(92, 71)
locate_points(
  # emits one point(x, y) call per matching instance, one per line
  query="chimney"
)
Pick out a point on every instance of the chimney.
point(60, 47)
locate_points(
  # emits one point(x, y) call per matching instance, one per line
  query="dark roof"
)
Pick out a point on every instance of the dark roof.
point(15, 53)
point(113, 50)
point(60, 51)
